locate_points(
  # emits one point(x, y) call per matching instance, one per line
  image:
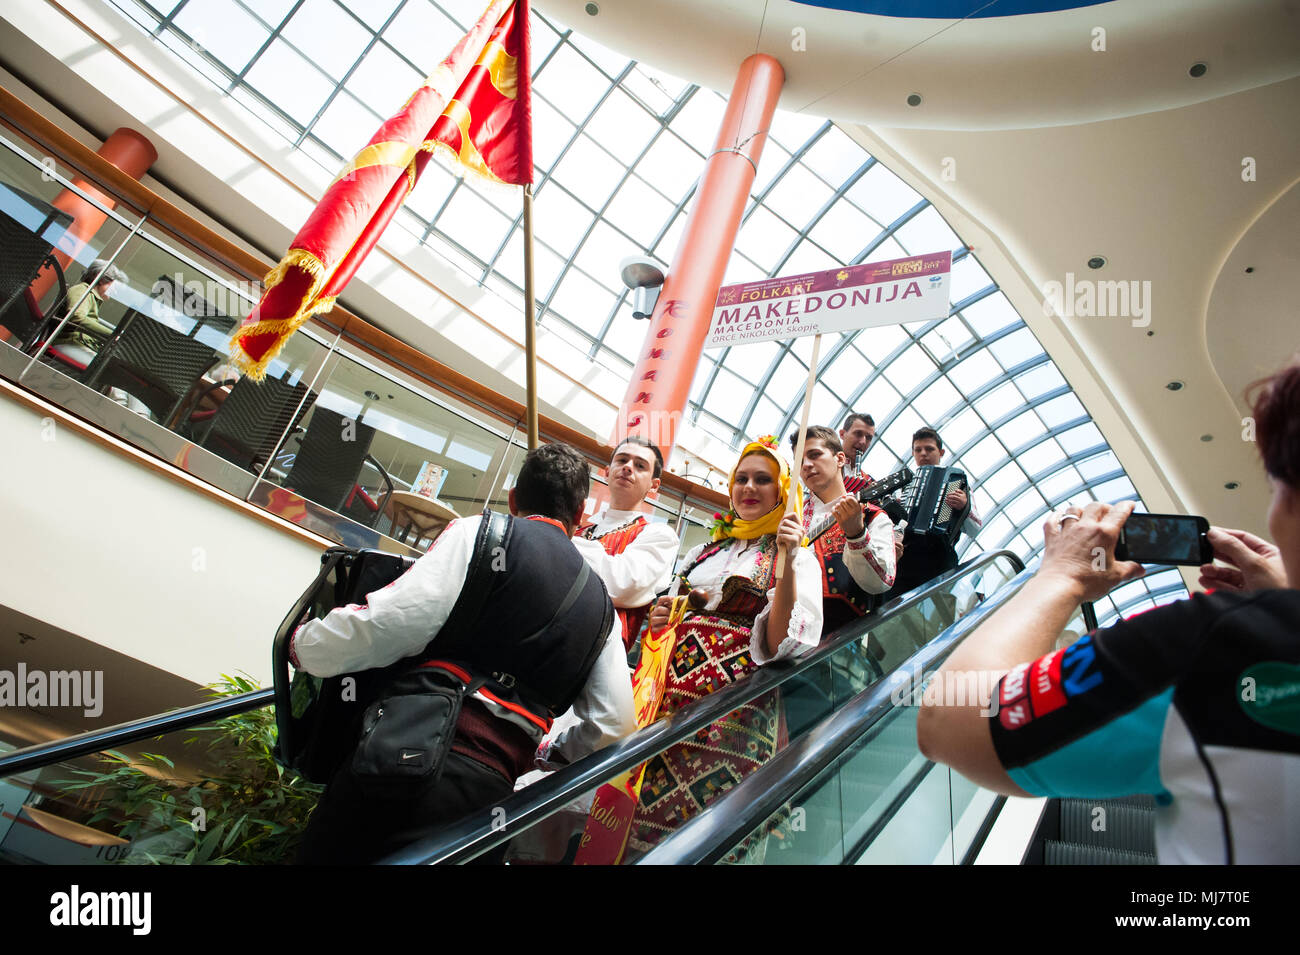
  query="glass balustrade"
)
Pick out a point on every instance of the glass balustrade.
point(882, 802)
point(805, 699)
point(52, 226)
point(332, 440)
point(161, 800)
point(205, 794)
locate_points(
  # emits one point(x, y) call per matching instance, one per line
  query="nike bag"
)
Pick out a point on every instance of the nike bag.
point(406, 734)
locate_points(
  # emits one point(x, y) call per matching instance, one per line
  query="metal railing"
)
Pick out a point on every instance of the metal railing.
point(481, 832)
point(707, 837)
point(47, 754)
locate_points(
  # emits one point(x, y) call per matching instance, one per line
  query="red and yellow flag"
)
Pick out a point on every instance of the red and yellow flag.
point(476, 107)
point(609, 821)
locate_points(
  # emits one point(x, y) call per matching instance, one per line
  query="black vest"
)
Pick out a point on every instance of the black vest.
point(925, 556)
point(539, 633)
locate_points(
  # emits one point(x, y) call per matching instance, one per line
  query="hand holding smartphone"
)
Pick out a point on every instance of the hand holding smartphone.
point(1248, 562)
point(1165, 539)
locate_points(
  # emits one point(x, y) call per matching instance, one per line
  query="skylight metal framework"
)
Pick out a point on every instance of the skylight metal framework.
point(618, 146)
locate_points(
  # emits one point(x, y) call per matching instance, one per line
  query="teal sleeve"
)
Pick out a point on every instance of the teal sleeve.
point(1118, 758)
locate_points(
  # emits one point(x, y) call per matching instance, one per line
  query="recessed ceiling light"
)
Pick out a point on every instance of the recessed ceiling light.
point(1150, 334)
point(591, 9)
point(372, 395)
point(1197, 70)
point(1175, 385)
point(1207, 437)
point(1249, 269)
point(1097, 262)
point(1232, 485)
point(914, 99)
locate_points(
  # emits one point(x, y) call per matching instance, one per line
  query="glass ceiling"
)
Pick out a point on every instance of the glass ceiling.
point(618, 146)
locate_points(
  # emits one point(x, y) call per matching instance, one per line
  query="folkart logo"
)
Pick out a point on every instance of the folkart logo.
point(1086, 298)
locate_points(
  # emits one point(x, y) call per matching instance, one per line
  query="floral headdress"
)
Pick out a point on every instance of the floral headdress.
point(729, 524)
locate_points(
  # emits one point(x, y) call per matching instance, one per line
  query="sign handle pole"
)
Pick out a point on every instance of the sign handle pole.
point(797, 466)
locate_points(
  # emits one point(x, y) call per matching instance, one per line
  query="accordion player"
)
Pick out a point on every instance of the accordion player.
point(933, 526)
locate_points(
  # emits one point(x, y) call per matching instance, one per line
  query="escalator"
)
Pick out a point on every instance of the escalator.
point(850, 785)
point(1116, 831)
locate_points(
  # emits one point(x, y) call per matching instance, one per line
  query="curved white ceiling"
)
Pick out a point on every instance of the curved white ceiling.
point(1045, 69)
point(1248, 307)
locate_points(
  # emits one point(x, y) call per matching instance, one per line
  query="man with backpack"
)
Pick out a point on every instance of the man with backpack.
point(505, 627)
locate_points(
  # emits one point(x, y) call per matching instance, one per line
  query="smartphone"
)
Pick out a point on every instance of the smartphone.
point(1165, 539)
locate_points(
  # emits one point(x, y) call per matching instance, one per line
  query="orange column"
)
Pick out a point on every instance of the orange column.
point(661, 381)
point(130, 152)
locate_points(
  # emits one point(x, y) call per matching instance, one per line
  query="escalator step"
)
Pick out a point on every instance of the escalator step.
point(1072, 853)
point(1138, 802)
point(1104, 823)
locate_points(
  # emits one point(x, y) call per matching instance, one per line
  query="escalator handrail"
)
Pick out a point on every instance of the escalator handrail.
point(483, 830)
point(47, 754)
point(709, 836)
point(97, 741)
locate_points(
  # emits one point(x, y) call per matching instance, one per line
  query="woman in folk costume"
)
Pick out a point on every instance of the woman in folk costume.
point(747, 619)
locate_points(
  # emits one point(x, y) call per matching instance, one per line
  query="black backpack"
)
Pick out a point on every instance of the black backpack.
point(318, 719)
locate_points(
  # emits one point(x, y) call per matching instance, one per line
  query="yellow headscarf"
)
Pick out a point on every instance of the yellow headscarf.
point(731, 525)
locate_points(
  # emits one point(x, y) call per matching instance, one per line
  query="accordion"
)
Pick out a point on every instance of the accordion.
point(928, 511)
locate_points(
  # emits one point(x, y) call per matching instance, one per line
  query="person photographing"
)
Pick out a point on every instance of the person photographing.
point(1193, 702)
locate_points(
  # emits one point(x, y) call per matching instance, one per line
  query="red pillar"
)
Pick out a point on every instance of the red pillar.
point(130, 152)
point(661, 381)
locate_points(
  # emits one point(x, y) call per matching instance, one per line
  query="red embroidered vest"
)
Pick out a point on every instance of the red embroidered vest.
point(615, 542)
point(837, 583)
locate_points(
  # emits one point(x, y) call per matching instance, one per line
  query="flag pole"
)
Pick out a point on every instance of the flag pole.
point(530, 317)
point(797, 467)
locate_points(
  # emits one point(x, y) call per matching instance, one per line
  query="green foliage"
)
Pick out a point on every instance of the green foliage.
point(252, 812)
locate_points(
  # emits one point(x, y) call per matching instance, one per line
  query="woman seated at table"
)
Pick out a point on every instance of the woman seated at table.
point(747, 619)
point(86, 332)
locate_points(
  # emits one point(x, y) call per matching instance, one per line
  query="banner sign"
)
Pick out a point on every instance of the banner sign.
point(856, 296)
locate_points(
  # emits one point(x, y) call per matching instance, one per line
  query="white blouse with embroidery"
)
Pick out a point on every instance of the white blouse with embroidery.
point(740, 559)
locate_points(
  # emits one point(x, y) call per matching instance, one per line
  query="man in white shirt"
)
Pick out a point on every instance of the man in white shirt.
point(855, 546)
point(633, 555)
point(537, 636)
